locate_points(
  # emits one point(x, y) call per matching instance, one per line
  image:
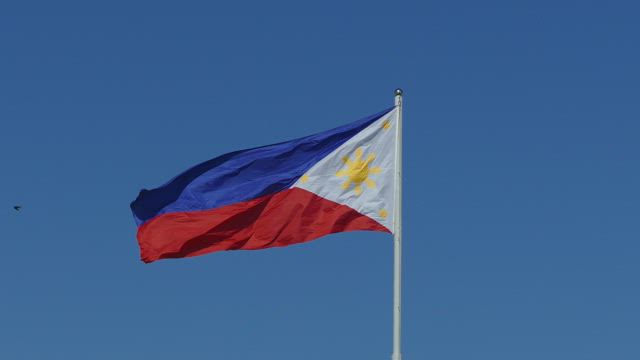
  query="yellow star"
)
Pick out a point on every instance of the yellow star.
point(383, 213)
point(304, 178)
point(386, 125)
point(357, 172)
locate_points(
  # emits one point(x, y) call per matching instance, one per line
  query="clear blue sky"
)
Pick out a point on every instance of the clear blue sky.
point(522, 177)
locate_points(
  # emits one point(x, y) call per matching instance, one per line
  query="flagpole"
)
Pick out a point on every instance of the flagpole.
point(397, 234)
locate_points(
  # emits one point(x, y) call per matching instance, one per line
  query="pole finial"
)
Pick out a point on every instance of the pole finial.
point(398, 92)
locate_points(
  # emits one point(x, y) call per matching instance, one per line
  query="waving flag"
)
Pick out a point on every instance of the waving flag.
point(276, 195)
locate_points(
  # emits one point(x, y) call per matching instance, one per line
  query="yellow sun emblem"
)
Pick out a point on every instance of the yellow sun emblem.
point(357, 171)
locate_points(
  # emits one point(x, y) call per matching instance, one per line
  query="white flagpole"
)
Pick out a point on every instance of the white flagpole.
point(397, 234)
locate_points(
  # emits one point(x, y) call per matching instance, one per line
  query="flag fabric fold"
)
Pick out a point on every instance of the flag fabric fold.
point(276, 195)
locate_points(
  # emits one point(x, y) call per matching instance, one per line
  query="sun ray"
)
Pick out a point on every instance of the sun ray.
point(358, 189)
point(370, 183)
point(370, 158)
point(359, 152)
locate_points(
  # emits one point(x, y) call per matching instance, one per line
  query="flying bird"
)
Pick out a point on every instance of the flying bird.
point(17, 208)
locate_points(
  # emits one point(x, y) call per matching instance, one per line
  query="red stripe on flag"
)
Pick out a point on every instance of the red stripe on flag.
point(288, 217)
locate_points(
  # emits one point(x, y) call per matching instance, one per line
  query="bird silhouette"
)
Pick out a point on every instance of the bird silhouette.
point(17, 208)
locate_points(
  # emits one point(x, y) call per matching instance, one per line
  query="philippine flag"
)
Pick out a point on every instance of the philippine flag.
point(276, 195)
